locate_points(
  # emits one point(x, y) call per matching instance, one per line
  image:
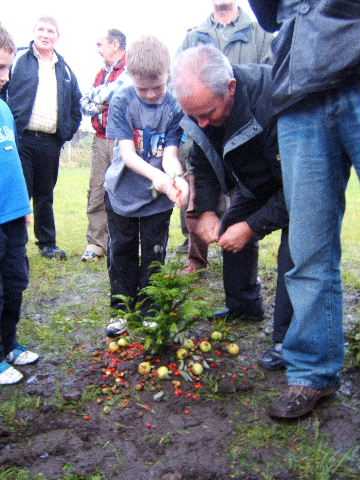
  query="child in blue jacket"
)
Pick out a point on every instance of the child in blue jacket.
point(14, 206)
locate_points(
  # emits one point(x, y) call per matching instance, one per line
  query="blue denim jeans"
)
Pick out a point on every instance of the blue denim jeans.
point(319, 139)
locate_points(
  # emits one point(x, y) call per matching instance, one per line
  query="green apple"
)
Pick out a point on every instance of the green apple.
point(189, 344)
point(205, 346)
point(181, 353)
point(123, 342)
point(197, 369)
point(163, 373)
point(233, 349)
point(144, 368)
point(216, 336)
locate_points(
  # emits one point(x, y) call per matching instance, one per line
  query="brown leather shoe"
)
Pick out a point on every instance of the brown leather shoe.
point(298, 401)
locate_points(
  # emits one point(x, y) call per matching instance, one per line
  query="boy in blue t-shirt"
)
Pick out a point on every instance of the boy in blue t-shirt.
point(145, 178)
point(14, 206)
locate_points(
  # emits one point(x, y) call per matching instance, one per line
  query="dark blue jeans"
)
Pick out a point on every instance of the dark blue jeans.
point(319, 141)
point(14, 271)
point(240, 271)
point(39, 155)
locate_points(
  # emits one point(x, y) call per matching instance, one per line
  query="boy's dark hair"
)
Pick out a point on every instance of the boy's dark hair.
point(148, 57)
point(6, 42)
point(114, 34)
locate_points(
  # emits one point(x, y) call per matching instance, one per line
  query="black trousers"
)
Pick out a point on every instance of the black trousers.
point(134, 243)
point(40, 155)
point(14, 272)
point(240, 271)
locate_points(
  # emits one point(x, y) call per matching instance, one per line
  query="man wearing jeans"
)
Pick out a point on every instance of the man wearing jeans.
point(316, 93)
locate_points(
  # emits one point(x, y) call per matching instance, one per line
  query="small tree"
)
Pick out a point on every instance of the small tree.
point(174, 302)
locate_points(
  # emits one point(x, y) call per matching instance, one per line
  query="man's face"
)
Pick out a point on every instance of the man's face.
point(45, 36)
point(224, 5)
point(108, 49)
point(6, 59)
point(206, 107)
point(151, 90)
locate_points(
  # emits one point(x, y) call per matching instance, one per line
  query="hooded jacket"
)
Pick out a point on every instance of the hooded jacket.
point(242, 155)
point(248, 44)
point(316, 49)
point(22, 90)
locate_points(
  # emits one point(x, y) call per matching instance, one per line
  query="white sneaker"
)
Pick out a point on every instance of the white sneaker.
point(22, 356)
point(92, 253)
point(8, 374)
point(116, 328)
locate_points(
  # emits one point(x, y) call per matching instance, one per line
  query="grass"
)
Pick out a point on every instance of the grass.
point(62, 323)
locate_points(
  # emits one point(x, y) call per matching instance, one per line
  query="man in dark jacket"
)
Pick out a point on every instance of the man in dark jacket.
point(44, 97)
point(243, 41)
point(316, 93)
point(235, 151)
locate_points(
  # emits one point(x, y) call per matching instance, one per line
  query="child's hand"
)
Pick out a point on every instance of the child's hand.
point(182, 195)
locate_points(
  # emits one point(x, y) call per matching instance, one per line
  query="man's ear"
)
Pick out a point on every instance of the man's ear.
point(232, 86)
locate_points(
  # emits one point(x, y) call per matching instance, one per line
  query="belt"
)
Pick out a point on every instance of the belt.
point(36, 133)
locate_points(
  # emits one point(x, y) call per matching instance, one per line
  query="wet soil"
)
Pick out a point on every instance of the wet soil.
point(149, 432)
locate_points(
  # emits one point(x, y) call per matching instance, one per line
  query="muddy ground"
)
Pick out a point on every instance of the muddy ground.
point(222, 433)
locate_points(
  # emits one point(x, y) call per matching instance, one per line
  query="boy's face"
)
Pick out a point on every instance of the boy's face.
point(6, 59)
point(149, 89)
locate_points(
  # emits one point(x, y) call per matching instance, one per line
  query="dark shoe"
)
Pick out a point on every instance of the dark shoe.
point(183, 248)
point(53, 252)
point(272, 359)
point(233, 316)
point(298, 401)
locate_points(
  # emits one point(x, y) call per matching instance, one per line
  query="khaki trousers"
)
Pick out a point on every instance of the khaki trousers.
point(102, 154)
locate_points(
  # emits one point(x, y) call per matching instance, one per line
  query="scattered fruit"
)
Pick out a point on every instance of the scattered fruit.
point(182, 353)
point(205, 346)
point(197, 369)
point(107, 409)
point(189, 344)
point(144, 368)
point(113, 347)
point(233, 349)
point(216, 336)
point(163, 373)
point(123, 342)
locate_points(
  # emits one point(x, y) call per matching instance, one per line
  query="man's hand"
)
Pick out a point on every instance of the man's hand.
point(236, 237)
point(206, 226)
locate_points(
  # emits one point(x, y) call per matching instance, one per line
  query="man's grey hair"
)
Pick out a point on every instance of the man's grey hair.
point(204, 63)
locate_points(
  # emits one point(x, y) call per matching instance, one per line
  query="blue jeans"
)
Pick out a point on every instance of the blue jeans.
point(319, 139)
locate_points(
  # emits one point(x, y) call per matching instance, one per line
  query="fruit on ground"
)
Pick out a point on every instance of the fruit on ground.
point(113, 347)
point(233, 349)
point(144, 368)
point(197, 369)
point(205, 346)
point(216, 336)
point(163, 373)
point(189, 344)
point(123, 342)
point(181, 353)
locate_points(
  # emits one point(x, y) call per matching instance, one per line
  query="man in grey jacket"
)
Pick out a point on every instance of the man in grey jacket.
point(316, 93)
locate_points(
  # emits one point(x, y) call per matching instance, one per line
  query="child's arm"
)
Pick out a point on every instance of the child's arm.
point(173, 168)
point(162, 181)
